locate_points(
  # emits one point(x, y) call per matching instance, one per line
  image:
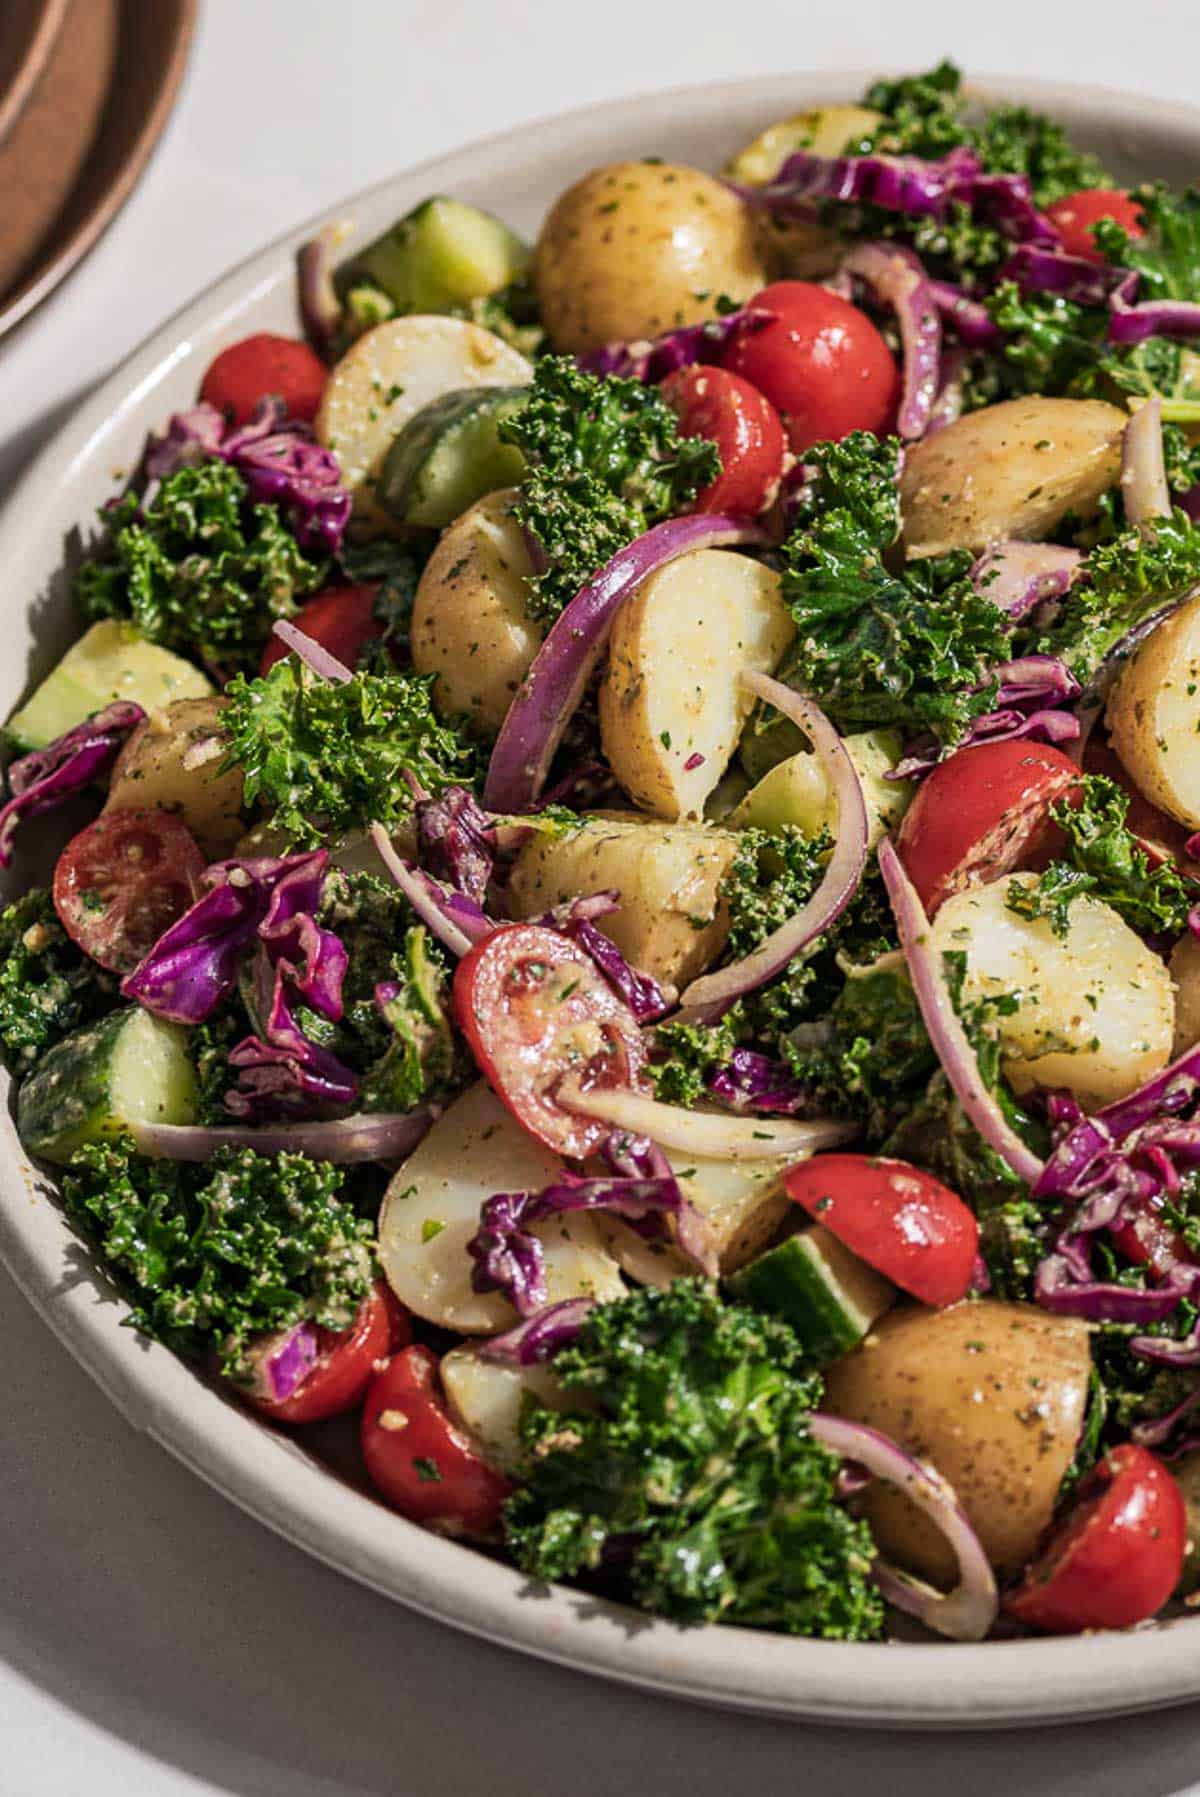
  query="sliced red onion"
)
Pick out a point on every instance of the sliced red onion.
point(555, 684)
point(345, 1141)
point(1019, 576)
point(283, 1361)
point(968, 1611)
point(946, 1032)
point(1143, 470)
point(1056, 1288)
point(539, 1338)
point(968, 318)
point(457, 921)
point(950, 397)
point(322, 663)
point(320, 307)
point(1129, 323)
point(897, 278)
point(725, 1138)
point(1153, 1434)
point(713, 993)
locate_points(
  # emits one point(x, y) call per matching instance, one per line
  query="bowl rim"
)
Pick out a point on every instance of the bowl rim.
point(936, 1684)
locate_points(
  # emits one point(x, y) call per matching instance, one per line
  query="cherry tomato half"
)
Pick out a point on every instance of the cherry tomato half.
point(342, 620)
point(1076, 214)
point(904, 1223)
point(1145, 1240)
point(122, 881)
point(424, 1465)
point(248, 371)
point(1117, 1557)
point(981, 814)
point(746, 428)
point(821, 363)
point(535, 1011)
point(345, 1364)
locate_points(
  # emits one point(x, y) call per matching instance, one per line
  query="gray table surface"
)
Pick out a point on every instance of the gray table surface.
point(152, 1639)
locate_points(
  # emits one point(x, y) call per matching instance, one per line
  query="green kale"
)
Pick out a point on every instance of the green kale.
point(1167, 254)
point(1015, 1235)
point(913, 649)
point(772, 875)
point(870, 1058)
point(1012, 140)
point(209, 1044)
point(200, 569)
point(1181, 456)
point(48, 987)
point(922, 114)
point(686, 1054)
point(214, 1257)
point(397, 567)
point(322, 758)
point(1053, 345)
point(1124, 581)
point(1105, 859)
point(1091, 1437)
point(692, 1469)
point(605, 462)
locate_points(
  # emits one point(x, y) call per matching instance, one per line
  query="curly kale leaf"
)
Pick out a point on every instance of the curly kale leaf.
point(214, 1257)
point(1012, 140)
point(200, 569)
point(773, 875)
point(397, 567)
point(692, 1470)
point(913, 649)
point(322, 758)
point(48, 987)
point(1106, 860)
point(1124, 582)
point(605, 462)
point(922, 114)
point(870, 1058)
point(1167, 253)
point(686, 1054)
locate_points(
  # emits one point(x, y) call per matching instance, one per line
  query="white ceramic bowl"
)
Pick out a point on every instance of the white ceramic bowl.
point(919, 1685)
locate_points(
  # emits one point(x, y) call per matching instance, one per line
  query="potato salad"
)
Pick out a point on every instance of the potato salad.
point(624, 925)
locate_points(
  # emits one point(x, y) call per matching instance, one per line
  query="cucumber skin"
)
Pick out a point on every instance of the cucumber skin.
point(786, 1283)
point(68, 1101)
point(130, 667)
point(430, 259)
point(448, 456)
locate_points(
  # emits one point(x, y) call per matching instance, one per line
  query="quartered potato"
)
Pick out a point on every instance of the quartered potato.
point(636, 248)
point(1010, 470)
point(993, 1395)
point(1153, 715)
point(386, 378)
point(1185, 971)
point(431, 1211)
point(174, 761)
point(799, 247)
point(671, 703)
point(487, 1397)
point(470, 623)
point(742, 1202)
point(1096, 1010)
point(670, 921)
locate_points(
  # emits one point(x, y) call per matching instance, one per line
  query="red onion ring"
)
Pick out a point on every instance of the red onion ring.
point(968, 1611)
point(322, 663)
point(717, 1135)
point(345, 1141)
point(1143, 471)
point(320, 308)
point(713, 993)
point(456, 921)
point(897, 278)
point(945, 1031)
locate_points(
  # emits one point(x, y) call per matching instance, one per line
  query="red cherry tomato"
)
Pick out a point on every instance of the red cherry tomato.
point(746, 428)
point(535, 1011)
point(821, 363)
point(904, 1223)
point(346, 1363)
point(1117, 1557)
point(257, 366)
point(1145, 1240)
point(122, 881)
point(982, 813)
point(424, 1465)
point(1076, 214)
point(342, 620)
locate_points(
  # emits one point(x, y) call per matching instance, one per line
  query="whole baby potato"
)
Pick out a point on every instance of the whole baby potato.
point(1010, 470)
point(470, 623)
point(1154, 715)
point(993, 1395)
point(636, 248)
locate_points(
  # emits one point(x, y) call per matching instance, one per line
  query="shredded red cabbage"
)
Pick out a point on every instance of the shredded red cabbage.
point(897, 279)
point(967, 317)
point(49, 777)
point(457, 842)
point(751, 1081)
point(641, 992)
point(651, 360)
point(539, 1339)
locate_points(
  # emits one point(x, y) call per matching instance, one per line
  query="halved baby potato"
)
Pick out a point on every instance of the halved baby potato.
point(1096, 1007)
point(671, 703)
point(175, 761)
point(799, 247)
point(488, 1396)
point(1153, 715)
point(1009, 470)
point(1185, 971)
point(470, 623)
point(743, 1204)
point(431, 1211)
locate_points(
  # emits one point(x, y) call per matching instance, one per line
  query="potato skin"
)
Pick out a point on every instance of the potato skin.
point(470, 623)
point(168, 762)
point(671, 922)
point(636, 248)
point(993, 1395)
point(1153, 715)
point(1009, 470)
point(1185, 971)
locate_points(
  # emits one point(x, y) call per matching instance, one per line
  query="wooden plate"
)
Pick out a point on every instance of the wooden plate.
point(83, 136)
point(28, 29)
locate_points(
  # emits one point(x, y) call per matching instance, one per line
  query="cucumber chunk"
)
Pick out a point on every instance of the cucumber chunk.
point(110, 661)
point(829, 1296)
point(450, 455)
point(444, 253)
point(796, 791)
point(128, 1068)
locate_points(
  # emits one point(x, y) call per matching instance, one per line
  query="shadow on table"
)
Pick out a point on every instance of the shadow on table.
point(137, 1597)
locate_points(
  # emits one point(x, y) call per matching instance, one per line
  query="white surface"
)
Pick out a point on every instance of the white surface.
point(158, 1641)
